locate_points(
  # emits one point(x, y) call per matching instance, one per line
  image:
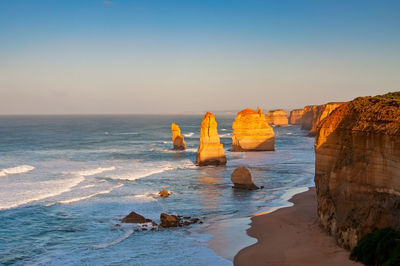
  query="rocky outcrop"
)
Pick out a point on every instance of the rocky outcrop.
point(251, 132)
point(277, 118)
point(135, 218)
point(164, 193)
point(321, 112)
point(357, 168)
point(210, 151)
point(175, 221)
point(177, 139)
point(296, 116)
point(309, 115)
point(241, 178)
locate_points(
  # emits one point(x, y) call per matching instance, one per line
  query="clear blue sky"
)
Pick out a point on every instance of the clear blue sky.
point(191, 56)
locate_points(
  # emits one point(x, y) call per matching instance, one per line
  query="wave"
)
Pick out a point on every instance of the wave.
point(135, 176)
point(16, 170)
point(89, 196)
point(226, 135)
point(94, 171)
point(188, 134)
point(126, 236)
point(15, 197)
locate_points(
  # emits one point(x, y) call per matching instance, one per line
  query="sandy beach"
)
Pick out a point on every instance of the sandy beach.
point(292, 236)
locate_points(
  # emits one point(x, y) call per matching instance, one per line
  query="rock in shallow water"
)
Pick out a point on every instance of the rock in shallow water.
point(164, 193)
point(241, 178)
point(135, 218)
point(177, 139)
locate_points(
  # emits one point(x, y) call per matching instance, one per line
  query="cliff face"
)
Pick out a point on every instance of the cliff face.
point(210, 151)
point(296, 116)
point(177, 139)
point(309, 114)
point(319, 113)
point(251, 132)
point(357, 168)
point(277, 118)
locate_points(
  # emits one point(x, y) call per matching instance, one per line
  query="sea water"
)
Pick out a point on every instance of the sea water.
point(66, 181)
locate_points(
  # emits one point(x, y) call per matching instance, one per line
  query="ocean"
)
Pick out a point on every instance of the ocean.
point(66, 181)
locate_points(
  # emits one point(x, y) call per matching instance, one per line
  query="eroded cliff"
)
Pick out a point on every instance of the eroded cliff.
point(321, 111)
point(251, 132)
point(277, 118)
point(177, 139)
point(210, 151)
point(295, 116)
point(357, 168)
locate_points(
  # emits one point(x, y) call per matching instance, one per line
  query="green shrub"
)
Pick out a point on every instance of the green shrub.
point(379, 248)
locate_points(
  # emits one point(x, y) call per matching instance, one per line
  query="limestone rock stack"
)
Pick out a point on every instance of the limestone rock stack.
point(309, 115)
point(322, 111)
point(251, 132)
point(210, 151)
point(357, 168)
point(177, 139)
point(241, 178)
point(296, 116)
point(277, 118)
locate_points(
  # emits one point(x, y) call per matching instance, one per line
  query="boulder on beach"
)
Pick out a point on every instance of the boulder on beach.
point(133, 217)
point(241, 178)
point(277, 118)
point(164, 193)
point(210, 151)
point(177, 139)
point(251, 132)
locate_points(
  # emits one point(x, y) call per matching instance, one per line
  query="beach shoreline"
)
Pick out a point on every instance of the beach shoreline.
point(292, 236)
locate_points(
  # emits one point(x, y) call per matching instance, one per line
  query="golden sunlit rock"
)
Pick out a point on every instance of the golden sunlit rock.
point(322, 111)
point(277, 118)
point(177, 139)
point(251, 132)
point(210, 151)
point(357, 168)
point(295, 116)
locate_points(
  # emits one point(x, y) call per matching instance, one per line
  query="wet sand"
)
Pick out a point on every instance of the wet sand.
point(292, 236)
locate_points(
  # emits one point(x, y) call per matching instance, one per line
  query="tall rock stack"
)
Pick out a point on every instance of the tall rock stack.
point(277, 118)
point(251, 132)
point(322, 111)
point(210, 151)
point(357, 168)
point(309, 115)
point(296, 116)
point(177, 139)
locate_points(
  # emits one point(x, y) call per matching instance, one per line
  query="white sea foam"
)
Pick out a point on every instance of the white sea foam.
point(89, 196)
point(89, 186)
point(226, 135)
point(126, 236)
point(188, 134)
point(16, 170)
point(18, 194)
point(140, 174)
point(94, 171)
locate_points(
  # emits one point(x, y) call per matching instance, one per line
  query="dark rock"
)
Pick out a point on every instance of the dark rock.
point(241, 178)
point(135, 218)
point(164, 193)
point(194, 220)
point(169, 220)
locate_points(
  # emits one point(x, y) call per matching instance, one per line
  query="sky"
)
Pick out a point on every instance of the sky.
point(189, 56)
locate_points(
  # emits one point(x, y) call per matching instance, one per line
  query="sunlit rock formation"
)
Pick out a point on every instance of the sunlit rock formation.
point(241, 178)
point(296, 116)
point(277, 118)
point(177, 139)
point(309, 115)
point(357, 168)
point(321, 112)
point(251, 132)
point(210, 151)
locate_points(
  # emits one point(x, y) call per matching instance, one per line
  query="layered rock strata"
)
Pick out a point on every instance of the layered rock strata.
point(177, 139)
point(357, 168)
point(321, 112)
point(296, 116)
point(309, 115)
point(277, 118)
point(210, 151)
point(251, 132)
